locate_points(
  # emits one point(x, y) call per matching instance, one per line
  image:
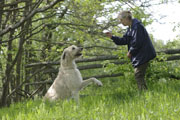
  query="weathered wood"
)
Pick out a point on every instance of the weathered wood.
point(175, 57)
point(85, 67)
point(171, 51)
point(96, 76)
point(100, 58)
point(41, 82)
point(105, 75)
point(94, 66)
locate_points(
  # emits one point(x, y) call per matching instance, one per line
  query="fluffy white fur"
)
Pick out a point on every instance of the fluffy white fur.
point(69, 81)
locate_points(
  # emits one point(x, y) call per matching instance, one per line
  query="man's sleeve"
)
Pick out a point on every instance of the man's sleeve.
point(120, 41)
point(137, 40)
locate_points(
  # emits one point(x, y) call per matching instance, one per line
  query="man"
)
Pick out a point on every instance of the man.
point(140, 48)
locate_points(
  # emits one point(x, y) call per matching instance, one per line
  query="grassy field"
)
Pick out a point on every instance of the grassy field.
point(118, 99)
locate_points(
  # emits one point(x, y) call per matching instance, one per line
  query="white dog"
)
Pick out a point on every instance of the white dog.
point(69, 81)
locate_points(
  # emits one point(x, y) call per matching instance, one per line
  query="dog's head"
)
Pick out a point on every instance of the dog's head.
point(72, 52)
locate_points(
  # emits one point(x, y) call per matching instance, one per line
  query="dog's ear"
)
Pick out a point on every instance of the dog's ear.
point(64, 55)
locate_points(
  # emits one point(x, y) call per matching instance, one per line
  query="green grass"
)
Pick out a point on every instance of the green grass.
point(118, 99)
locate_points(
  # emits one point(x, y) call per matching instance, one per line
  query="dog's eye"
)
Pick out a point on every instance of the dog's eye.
point(73, 48)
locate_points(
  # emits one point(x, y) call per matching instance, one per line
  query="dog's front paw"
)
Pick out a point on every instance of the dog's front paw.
point(97, 82)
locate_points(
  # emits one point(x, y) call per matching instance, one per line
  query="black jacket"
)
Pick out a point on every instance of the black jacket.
point(139, 43)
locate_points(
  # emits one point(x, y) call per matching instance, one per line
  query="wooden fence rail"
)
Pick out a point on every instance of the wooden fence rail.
point(101, 58)
point(44, 67)
point(99, 65)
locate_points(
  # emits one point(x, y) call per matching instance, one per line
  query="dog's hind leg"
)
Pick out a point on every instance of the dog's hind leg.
point(75, 95)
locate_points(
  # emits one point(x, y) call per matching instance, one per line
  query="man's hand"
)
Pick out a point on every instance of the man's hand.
point(129, 55)
point(109, 34)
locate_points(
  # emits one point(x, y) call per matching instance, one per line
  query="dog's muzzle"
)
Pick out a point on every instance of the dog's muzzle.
point(79, 52)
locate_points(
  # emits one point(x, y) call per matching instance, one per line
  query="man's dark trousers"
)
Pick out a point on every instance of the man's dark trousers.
point(140, 75)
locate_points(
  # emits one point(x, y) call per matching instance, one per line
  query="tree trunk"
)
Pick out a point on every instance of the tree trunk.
point(24, 29)
point(1, 13)
point(18, 66)
point(8, 73)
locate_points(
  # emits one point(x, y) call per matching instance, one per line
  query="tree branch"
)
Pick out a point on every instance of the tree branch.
point(30, 15)
point(13, 3)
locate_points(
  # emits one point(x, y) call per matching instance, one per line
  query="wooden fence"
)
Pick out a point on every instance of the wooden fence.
point(44, 67)
point(175, 55)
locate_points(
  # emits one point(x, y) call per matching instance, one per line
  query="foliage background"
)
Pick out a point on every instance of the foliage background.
point(37, 31)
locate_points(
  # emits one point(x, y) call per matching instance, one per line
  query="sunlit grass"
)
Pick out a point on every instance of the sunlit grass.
point(117, 100)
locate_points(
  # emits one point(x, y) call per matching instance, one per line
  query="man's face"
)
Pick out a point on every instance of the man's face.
point(123, 21)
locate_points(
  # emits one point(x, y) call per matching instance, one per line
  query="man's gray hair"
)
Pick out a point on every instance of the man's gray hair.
point(125, 14)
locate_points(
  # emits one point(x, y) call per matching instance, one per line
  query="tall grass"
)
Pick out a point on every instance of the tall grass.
point(118, 99)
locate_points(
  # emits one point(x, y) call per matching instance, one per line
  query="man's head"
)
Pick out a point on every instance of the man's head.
point(125, 17)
